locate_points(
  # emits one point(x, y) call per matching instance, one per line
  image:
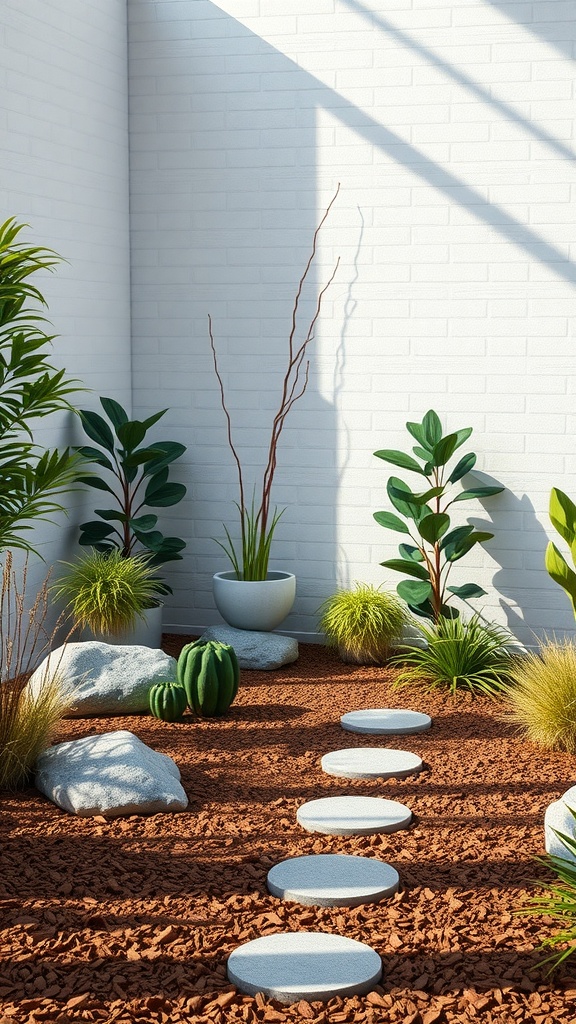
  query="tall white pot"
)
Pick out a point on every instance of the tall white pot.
point(146, 631)
point(254, 604)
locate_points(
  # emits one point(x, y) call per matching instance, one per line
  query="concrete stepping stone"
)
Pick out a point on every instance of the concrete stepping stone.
point(371, 763)
point(333, 880)
point(289, 966)
point(353, 815)
point(385, 721)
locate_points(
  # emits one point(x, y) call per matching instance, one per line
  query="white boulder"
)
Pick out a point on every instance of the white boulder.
point(110, 774)
point(558, 818)
point(105, 679)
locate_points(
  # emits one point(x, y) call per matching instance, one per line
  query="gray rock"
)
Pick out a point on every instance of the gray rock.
point(105, 679)
point(255, 650)
point(110, 774)
point(559, 819)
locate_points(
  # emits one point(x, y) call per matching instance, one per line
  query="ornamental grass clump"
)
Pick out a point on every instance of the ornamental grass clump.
point(458, 655)
point(27, 722)
point(558, 902)
point(106, 592)
point(363, 623)
point(542, 695)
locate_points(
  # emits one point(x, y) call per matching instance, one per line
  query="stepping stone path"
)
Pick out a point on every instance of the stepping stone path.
point(353, 815)
point(371, 763)
point(289, 966)
point(385, 721)
point(332, 880)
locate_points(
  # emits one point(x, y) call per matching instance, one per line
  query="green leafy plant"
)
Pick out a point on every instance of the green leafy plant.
point(30, 388)
point(27, 722)
point(458, 655)
point(425, 520)
point(258, 523)
point(106, 592)
point(138, 479)
point(542, 695)
point(563, 518)
point(560, 902)
point(363, 623)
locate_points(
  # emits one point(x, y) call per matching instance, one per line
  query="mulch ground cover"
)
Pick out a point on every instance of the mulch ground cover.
point(133, 919)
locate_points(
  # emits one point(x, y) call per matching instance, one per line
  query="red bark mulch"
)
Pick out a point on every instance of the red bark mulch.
point(133, 919)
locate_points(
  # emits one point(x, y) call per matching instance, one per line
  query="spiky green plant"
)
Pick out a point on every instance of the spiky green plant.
point(542, 695)
point(363, 623)
point(559, 902)
point(27, 723)
point(107, 592)
point(458, 656)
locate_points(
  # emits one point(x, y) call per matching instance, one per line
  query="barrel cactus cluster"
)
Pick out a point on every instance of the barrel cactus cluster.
point(207, 682)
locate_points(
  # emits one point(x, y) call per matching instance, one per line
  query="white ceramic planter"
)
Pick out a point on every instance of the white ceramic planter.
point(254, 604)
point(146, 632)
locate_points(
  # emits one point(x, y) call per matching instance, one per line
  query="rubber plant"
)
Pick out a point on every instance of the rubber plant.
point(258, 522)
point(138, 479)
point(435, 545)
point(31, 388)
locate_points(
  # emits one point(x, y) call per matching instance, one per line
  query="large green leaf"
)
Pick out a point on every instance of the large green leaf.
point(466, 463)
point(391, 522)
point(466, 591)
point(561, 573)
point(143, 523)
point(400, 459)
point(95, 455)
point(563, 515)
point(461, 547)
point(114, 411)
point(410, 552)
point(160, 493)
point(444, 450)
point(432, 428)
point(433, 526)
point(97, 429)
point(414, 592)
point(477, 492)
point(402, 498)
point(95, 531)
point(169, 451)
point(131, 434)
point(456, 535)
point(408, 566)
point(463, 435)
point(96, 482)
point(142, 456)
point(154, 418)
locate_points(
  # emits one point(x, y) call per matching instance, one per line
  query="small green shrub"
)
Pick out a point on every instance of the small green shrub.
point(107, 592)
point(363, 623)
point(542, 695)
point(458, 656)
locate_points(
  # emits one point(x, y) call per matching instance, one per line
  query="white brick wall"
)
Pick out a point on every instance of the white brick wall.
point(64, 171)
point(450, 125)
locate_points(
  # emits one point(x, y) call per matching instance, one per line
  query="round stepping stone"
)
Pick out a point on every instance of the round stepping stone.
point(353, 815)
point(371, 763)
point(289, 966)
point(332, 880)
point(385, 721)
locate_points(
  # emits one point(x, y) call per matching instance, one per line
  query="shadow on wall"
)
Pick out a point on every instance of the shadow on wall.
point(222, 214)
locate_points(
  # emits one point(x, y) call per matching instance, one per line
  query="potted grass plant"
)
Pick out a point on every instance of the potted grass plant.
point(251, 595)
point(364, 623)
point(108, 595)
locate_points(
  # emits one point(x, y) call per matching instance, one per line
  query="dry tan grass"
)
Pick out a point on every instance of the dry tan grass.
point(542, 695)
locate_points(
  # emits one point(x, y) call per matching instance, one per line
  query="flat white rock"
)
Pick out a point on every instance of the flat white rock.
point(371, 763)
point(559, 819)
point(385, 721)
point(289, 966)
point(113, 773)
point(255, 649)
point(332, 880)
point(353, 815)
point(106, 679)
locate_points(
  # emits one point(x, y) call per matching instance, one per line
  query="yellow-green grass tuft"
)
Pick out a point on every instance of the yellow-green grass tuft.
point(542, 695)
point(363, 623)
point(107, 592)
point(27, 726)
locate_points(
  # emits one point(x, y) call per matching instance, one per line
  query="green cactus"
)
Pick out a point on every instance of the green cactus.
point(168, 701)
point(209, 673)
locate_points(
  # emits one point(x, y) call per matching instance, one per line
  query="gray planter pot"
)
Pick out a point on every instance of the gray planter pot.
point(254, 604)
